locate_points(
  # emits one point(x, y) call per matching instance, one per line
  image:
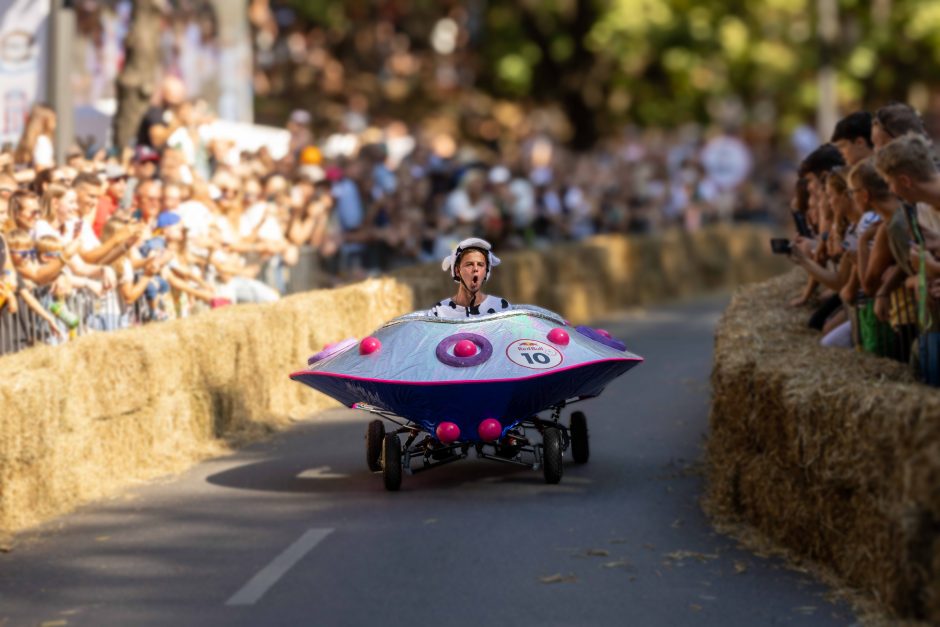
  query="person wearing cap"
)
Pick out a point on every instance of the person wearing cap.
point(470, 265)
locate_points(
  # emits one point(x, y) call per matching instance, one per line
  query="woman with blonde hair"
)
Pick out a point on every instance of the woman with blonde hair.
point(35, 147)
point(50, 201)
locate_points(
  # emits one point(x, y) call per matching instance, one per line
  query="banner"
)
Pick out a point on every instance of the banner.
point(22, 62)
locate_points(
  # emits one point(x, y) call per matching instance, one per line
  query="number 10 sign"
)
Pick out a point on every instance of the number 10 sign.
point(535, 355)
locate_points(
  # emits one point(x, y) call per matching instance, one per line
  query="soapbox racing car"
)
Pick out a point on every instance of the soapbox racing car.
point(452, 386)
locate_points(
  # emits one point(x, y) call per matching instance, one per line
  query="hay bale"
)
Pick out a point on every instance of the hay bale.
point(82, 420)
point(833, 454)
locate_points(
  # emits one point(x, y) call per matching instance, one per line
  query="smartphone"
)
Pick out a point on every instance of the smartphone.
point(850, 242)
point(802, 226)
point(780, 246)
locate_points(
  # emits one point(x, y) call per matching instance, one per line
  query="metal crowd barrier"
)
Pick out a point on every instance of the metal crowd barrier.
point(20, 330)
point(903, 322)
point(80, 313)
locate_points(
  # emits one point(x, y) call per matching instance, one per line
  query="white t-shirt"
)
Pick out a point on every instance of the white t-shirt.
point(43, 228)
point(247, 222)
point(181, 140)
point(256, 218)
point(196, 218)
point(447, 308)
point(43, 153)
point(87, 237)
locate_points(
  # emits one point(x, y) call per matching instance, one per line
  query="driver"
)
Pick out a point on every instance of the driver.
point(470, 266)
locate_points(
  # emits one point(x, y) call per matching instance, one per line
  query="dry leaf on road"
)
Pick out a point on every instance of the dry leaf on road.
point(558, 578)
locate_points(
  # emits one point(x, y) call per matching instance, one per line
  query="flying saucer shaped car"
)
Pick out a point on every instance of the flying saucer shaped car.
point(453, 385)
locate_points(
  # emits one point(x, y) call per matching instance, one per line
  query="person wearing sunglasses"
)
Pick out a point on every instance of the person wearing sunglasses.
point(25, 206)
point(24, 209)
point(23, 256)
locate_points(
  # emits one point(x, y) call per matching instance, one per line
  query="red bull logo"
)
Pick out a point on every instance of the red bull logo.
point(534, 355)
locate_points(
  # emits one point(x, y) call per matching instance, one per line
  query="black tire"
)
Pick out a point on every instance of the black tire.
point(391, 462)
point(374, 436)
point(552, 455)
point(580, 449)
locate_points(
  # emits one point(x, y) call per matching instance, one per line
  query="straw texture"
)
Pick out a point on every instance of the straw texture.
point(833, 454)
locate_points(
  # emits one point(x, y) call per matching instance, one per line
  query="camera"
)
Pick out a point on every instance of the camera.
point(780, 246)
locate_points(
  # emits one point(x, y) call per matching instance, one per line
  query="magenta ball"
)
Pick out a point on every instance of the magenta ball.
point(558, 336)
point(604, 332)
point(465, 348)
point(490, 430)
point(447, 432)
point(369, 345)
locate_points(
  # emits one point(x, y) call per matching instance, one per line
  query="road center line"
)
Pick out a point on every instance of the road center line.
point(269, 575)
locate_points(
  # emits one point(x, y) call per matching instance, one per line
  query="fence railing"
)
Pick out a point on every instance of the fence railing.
point(80, 313)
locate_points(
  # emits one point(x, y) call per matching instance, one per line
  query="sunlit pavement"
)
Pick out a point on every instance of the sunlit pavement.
point(297, 531)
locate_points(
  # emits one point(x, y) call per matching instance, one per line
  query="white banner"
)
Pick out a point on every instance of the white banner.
point(22, 62)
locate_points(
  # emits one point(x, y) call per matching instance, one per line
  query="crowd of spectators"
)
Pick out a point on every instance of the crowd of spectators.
point(184, 222)
point(867, 208)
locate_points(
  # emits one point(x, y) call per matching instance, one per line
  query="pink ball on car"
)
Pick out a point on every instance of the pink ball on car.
point(465, 348)
point(447, 432)
point(604, 332)
point(369, 345)
point(490, 430)
point(558, 336)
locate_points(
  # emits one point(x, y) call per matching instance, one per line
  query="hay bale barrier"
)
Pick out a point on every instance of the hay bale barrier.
point(83, 420)
point(80, 422)
point(583, 281)
point(830, 454)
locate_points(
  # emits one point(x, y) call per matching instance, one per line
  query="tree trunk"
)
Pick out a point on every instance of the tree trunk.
point(137, 79)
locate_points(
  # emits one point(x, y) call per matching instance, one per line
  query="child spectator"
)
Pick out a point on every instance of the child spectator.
point(25, 262)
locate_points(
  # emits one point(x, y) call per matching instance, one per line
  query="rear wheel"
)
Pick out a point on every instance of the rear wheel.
point(391, 462)
point(580, 449)
point(552, 455)
point(374, 436)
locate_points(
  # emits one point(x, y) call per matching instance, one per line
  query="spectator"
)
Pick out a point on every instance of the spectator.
point(895, 120)
point(110, 200)
point(852, 137)
point(35, 148)
point(161, 120)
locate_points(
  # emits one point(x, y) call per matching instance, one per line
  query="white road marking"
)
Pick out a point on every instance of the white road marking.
point(320, 472)
point(269, 575)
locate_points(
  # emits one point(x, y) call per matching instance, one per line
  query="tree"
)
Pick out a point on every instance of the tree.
point(137, 79)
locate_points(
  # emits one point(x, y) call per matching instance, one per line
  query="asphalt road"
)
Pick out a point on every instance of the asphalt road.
point(296, 530)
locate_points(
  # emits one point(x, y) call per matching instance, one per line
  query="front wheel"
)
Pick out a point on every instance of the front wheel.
point(375, 434)
point(580, 449)
point(391, 462)
point(552, 455)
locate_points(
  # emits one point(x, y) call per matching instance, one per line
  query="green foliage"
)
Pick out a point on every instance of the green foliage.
point(666, 61)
